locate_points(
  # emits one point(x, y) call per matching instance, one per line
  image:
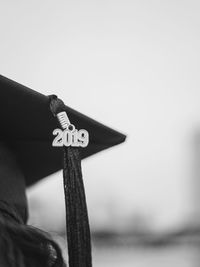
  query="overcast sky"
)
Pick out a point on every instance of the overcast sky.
point(133, 65)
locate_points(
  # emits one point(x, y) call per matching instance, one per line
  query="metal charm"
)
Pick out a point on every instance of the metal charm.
point(69, 135)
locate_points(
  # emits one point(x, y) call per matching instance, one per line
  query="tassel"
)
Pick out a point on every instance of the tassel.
point(77, 223)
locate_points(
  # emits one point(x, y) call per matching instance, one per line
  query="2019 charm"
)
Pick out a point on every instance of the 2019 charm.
point(69, 135)
point(69, 138)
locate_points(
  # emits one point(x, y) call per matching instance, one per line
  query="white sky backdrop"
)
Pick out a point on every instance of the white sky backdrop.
point(133, 65)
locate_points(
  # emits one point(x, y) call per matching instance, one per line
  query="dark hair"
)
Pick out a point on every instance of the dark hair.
point(26, 246)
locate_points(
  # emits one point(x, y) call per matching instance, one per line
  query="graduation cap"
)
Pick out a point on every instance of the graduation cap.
point(28, 119)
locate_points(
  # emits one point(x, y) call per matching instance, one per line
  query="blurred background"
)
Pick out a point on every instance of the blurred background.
point(134, 66)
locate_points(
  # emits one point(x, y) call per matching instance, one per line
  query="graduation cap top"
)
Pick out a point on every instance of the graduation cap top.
point(27, 124)
point(28, 119)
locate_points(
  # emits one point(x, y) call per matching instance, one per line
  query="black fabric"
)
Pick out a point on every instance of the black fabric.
point(13, 212)
point(13, 201)
point(27, 124)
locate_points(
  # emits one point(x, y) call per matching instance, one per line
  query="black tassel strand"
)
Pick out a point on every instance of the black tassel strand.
point(78, 230)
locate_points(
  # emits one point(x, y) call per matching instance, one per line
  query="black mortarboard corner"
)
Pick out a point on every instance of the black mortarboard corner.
point(28, 119)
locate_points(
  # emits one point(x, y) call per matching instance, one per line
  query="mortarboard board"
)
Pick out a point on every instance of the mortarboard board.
point(27, 123)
